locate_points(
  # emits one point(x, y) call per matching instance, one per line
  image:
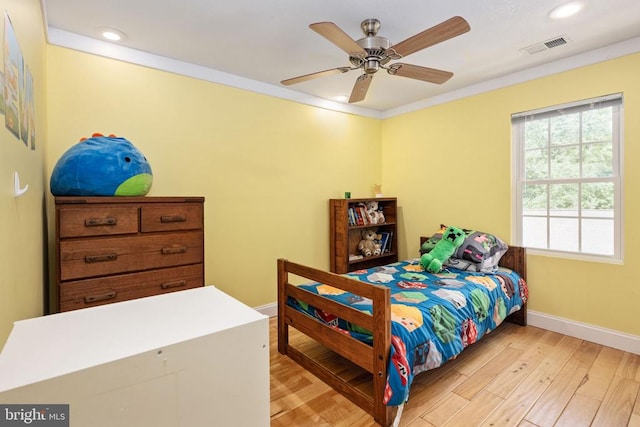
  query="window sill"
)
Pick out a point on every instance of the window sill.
point(576, 256)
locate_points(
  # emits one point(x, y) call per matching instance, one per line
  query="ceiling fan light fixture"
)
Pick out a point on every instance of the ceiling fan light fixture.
point(566, 10)
point(371, 66)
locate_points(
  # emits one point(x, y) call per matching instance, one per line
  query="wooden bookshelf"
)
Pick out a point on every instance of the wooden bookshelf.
point(345, 234)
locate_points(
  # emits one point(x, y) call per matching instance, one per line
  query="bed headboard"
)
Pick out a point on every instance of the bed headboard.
point(514, 259)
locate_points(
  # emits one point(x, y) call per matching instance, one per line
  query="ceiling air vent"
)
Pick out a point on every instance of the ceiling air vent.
point(540, 47)
point(555, 42)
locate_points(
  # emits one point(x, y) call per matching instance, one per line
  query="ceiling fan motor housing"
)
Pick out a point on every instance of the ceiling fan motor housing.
point(376, 48)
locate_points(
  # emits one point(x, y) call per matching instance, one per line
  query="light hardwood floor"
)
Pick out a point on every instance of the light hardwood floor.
point(515, 376)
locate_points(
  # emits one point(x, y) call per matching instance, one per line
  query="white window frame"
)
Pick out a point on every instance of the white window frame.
point(518, 180)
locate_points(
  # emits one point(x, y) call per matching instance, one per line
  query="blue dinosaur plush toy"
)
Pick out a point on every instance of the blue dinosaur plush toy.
point(452, 238)
point(102, 166)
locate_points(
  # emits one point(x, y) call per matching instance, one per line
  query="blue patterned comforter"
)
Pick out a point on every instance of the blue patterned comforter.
point(434, 316)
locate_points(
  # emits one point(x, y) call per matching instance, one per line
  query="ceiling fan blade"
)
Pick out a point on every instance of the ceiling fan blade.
point(444, 31)
point(335, 35)
point(360, 88)
point(312, 76)
point(425, 74)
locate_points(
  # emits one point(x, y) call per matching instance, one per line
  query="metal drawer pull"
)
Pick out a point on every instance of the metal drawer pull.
point(179, 250)
point(94, 222)
point(100, 258)
point(100, 297)
point(176, 284)
point(173, 218)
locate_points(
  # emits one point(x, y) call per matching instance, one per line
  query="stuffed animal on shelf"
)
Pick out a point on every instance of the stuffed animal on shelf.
point(374, 211)
point(452, 238)
point(369, 245)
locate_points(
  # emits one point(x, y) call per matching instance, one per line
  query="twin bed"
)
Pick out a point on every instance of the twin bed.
point(395, 321)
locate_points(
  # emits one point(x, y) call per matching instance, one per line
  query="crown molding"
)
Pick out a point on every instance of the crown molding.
point(606, 53)
point(85, 44)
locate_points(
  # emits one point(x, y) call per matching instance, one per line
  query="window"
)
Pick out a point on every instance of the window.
point(567, 178)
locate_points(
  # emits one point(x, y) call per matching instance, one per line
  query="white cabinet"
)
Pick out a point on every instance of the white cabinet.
point(191, 358)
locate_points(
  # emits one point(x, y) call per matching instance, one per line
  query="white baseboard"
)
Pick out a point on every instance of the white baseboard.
point(584, 331)
point(270, 310)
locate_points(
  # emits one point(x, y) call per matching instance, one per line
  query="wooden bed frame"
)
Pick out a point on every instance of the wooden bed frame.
point(372, 358)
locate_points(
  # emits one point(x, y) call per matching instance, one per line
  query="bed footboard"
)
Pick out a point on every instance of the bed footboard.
point(373, 359)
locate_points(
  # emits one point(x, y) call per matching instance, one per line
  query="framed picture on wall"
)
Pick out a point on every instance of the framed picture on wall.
point(13, 77)
point(30, 110)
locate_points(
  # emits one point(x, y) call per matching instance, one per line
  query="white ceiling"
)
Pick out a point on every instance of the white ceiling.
point(267, 41)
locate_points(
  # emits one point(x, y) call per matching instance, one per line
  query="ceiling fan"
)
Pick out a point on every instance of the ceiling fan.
point(374, 52)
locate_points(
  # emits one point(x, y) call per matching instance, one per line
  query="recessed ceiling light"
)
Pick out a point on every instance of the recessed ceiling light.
point(112, 34)
point(566, 10)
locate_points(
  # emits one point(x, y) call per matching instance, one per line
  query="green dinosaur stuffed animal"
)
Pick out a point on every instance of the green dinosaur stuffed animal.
point(452, 238)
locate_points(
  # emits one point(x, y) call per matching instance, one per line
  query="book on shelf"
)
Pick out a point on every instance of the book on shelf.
point(352, 217)
point(355, 257)
point(384, 241)
point(364, 215)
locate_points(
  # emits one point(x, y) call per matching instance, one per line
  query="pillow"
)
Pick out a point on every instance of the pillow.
point(480, 251)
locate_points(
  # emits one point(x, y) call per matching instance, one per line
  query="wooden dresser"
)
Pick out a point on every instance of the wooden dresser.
point(111, 249)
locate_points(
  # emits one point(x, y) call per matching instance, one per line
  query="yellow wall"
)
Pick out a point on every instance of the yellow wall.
point(266, 166)
point(21, 219)
point(451, 164)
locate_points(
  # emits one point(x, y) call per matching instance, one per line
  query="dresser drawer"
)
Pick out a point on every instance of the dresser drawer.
point(112, 255)
point(106, 290)
point(97, 221)
point(184, 216)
